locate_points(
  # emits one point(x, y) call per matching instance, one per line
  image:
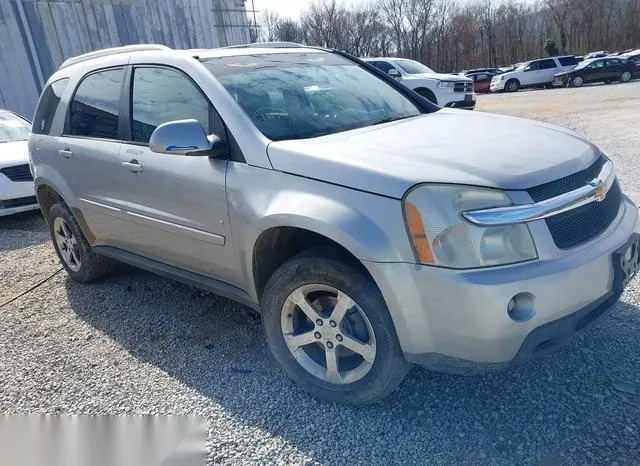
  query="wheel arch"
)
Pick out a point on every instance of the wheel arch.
point(277, 244)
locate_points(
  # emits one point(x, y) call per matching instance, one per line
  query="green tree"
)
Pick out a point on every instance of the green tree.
point(550, 47)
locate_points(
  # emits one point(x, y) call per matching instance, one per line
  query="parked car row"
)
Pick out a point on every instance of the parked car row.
point(593, 70)
point(598, 66)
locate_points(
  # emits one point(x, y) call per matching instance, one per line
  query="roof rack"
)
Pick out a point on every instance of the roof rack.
point(112, 51)
point(266, 45)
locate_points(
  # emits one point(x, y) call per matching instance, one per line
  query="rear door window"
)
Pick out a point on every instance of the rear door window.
point(48, 105)
point(546, 64)
point(568, 61)
point(95, 108)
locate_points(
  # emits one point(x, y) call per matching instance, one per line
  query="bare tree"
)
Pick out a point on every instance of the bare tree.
point(455, 34)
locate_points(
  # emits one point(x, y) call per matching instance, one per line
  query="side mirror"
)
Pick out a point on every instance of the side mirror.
point(394, 73)
point(185, 137)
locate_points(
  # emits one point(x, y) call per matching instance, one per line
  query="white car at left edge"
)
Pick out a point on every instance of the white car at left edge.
point(16, 181)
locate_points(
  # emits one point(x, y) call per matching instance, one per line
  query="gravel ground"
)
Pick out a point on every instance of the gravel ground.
point(138, 344)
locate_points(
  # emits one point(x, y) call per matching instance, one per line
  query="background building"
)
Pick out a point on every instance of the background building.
point(36, 36)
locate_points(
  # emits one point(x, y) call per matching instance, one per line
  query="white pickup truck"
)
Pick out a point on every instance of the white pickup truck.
point(445, 90)
point(534, 73)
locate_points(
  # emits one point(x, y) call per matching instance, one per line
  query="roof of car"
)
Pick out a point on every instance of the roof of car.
point(245, 49)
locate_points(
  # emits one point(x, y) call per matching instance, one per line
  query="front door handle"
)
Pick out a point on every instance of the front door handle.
point(133, 165)
point(66, 153)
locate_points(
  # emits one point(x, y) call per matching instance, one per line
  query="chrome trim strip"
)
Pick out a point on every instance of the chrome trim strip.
point(115, 210)
point(176, 228)
point(595, 190)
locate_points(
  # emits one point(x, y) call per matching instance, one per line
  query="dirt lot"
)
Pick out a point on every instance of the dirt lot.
point(138, 344)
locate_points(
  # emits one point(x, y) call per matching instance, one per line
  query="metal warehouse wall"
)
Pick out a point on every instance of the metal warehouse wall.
point(36, 36)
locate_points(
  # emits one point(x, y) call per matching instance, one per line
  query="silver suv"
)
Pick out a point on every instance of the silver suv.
point(371, 228)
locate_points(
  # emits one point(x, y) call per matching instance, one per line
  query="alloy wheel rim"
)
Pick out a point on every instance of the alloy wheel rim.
point(577, 81)
point(67, 244)
point(626, 76)
point(328, 334)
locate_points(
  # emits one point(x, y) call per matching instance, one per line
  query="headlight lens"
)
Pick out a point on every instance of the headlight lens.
point(446, 84)
point(440, 235)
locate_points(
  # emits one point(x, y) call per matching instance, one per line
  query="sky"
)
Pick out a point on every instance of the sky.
point(290, 8)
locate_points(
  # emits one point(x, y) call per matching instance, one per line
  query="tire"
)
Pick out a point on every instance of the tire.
point(76, 255)
point(427, 94)
point(625, 76)
point(577, 81)
point(513, 85)
point(322, 277)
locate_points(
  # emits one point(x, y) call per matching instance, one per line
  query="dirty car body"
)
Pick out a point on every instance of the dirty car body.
point(483, 250)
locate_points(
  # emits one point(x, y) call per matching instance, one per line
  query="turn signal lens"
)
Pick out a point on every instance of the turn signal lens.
point(418, 235)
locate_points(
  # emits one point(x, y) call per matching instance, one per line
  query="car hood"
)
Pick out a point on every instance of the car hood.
point(439, 77)
point(14, 153)
point(448, 146)
point(567, 72)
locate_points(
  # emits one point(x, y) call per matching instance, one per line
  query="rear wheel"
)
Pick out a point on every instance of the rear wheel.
point(74, 252)
point(427, 94)
point(577, 81)
point(625, 76)
point(513, 85)
point(328, 326)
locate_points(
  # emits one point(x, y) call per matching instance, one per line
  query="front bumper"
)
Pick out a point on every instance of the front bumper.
point(452, 99)
point(16, 196)
point(497, 86)
point(456, 320)
point(560, 81)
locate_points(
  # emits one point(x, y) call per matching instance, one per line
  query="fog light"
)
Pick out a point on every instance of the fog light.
point(628, 254)
point(521, 307)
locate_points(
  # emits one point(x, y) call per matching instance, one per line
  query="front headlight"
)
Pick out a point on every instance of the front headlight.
point(441, 236)
point(446, 84)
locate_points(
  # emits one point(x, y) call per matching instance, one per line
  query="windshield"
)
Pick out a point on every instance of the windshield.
point(412, 67)
point(13, 128)
point(305, 95)
point(584, 64)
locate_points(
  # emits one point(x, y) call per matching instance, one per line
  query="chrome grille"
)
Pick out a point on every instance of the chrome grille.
point(580, 225)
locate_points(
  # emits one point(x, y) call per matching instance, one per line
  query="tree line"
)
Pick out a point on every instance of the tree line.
point(451, 35)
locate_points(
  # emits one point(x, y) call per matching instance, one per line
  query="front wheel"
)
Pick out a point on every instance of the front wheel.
point(328, 326)
point(513, 85)
point(625, 76)
point(577, 81)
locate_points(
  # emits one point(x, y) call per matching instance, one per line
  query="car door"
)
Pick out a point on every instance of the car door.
point(530, 75)
point(88, 154)
point(614, 68)
point(548, 68)
point(177, 211)
point(596, 71)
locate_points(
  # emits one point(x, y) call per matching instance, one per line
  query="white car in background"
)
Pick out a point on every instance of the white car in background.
point(16, 182)
point(445, 90)
point(534, 73)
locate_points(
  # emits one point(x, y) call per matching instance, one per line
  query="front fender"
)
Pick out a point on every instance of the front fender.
point(369, 226)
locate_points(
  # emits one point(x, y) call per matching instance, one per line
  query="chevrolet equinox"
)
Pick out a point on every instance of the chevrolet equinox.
point(371, 228)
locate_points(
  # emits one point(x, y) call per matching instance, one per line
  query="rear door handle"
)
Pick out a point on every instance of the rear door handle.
point(66, 153)
point(133, 165)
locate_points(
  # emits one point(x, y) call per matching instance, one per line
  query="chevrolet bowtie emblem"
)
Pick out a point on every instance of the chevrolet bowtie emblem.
point(601, 189)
